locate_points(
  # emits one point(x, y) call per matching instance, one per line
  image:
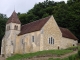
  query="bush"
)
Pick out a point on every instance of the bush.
point(72, 57)
point(79, 53)
point(73, 48)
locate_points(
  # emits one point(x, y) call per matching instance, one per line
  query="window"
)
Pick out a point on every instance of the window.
point(42, 31)
point(32, 38)
point(51, 40)
point(8, 27)
point(15, 27)
point(22, 41)
point(11, 42)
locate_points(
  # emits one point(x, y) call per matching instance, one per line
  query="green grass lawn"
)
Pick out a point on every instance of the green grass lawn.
point(40, 53)
point(72, 57)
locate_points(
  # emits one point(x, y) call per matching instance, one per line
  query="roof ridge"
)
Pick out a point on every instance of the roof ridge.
point(67, 33)
point(36, 21)
point(13, 18)
point(34, 26)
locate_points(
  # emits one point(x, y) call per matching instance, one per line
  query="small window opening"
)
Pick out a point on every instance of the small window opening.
point(49, 40)
point(32, 38)
point(11, 42)
point(22, 41)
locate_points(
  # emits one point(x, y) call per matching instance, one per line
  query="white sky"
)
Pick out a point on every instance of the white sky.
point(22, 6)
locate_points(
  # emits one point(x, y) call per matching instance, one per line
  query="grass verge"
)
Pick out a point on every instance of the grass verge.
point(40, 53)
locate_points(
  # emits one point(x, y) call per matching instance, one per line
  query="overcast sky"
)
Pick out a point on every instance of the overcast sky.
point(8, 6)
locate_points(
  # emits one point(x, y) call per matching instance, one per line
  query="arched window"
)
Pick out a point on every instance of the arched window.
point(51, 40)
point(8, 27)
point(32, 38)
point(22, 41)
point(15, 27)
point(11, 42)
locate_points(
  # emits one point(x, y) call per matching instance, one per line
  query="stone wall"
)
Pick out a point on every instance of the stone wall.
point(67, 42)
point(25, 44)
point(51, 29)
point(10, 38)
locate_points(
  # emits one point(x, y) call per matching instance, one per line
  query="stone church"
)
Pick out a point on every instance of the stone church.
point(43, 34)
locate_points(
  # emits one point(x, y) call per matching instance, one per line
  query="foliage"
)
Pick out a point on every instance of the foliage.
point(48, 52)
point(72, 57)
point(78, 52)
point(3, 20)
point(73, 48)
point(40, 53)
point(67, 15)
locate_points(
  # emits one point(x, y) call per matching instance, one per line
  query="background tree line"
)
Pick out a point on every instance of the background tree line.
point(67, 15)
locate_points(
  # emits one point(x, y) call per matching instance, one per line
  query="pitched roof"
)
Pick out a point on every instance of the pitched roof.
point(66, 33)
point(37, 25)
point(33, 26)
point(14, 18)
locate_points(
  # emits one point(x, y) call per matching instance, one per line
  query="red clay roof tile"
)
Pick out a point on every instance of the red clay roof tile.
point(67, 34)
point(37, 25)
point(14, 19)
point(33, 26)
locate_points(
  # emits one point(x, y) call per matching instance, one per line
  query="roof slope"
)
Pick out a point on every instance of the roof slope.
point(66, 33)
point(37, 25)
point(33, 26)
point(14, 18)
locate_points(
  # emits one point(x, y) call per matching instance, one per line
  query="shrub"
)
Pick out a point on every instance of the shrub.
point(72, 57)
point(72, 48)
point(79, 53)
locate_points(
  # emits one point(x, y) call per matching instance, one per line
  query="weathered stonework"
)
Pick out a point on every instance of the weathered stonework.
point(51, 29)
point(13, 43)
